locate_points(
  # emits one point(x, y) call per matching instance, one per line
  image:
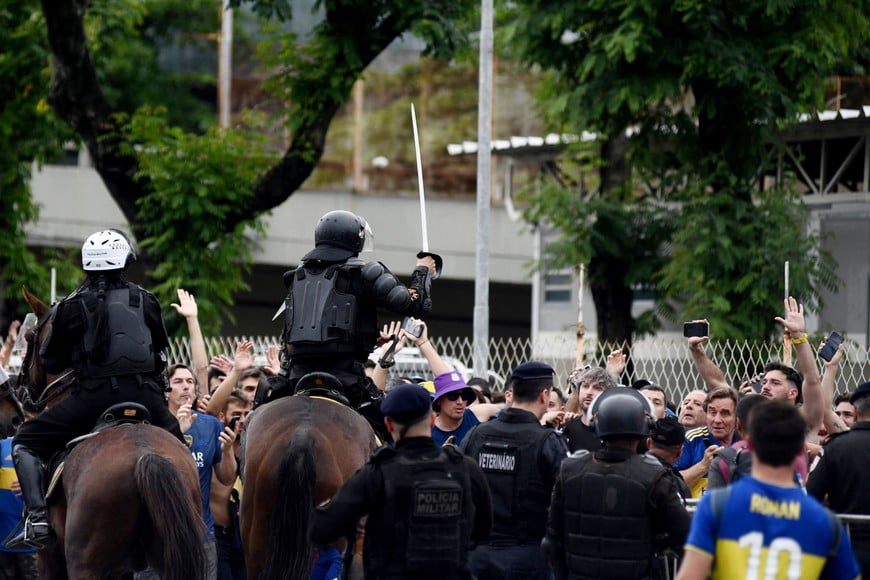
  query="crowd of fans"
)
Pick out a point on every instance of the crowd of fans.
point(594, 481)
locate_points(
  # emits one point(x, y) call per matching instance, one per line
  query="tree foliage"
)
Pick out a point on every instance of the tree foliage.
point(704, 86)
point(29, 133)
point(195, 181)
point(192, 195)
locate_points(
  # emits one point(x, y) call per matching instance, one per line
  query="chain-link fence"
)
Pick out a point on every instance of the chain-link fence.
point(662, 361)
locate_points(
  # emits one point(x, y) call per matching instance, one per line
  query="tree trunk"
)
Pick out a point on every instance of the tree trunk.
point(608, 273)
point(78, 99)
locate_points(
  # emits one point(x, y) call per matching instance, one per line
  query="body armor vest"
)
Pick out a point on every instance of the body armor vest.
point(130, 347)
point(508, 455)
point(607, 515)
point(425, 525)
point(321, 318)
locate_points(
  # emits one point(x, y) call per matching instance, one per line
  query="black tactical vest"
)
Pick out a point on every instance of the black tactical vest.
point(508, 454)
point(324, 315)
point(424, 527)
point(130, 347)
point(607, 516)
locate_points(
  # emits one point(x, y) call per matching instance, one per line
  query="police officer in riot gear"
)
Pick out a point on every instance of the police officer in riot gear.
point(426, 504)
point(111, 333)
point(521, 460)
point(613, 509)
point(330, 320)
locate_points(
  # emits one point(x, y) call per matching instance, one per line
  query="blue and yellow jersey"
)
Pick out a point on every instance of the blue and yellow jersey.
point(11, 505)
point(697, 441)
point(770, 532)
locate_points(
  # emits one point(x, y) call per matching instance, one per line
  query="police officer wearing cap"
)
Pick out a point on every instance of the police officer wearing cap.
point(426, 505)
point(111, 333)
point(520, 459)
point(330, 315)
point(665, 443)
point(613, 509)
point(843, 475)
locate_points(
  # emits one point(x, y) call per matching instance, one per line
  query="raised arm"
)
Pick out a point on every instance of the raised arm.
point(6, 350)
point(243, 360)
point(794, 323)
point(436, 363)
point(187, 308)
point(711, 374)
point(379, 374)
point(616, 364)
point(831, 421)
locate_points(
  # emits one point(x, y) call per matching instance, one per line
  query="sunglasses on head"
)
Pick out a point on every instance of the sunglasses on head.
point(467, 394)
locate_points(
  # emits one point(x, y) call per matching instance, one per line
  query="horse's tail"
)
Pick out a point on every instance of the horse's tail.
point(173, 516)
point(290, 551)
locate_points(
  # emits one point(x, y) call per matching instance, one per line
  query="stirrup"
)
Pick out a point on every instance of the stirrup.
point(29, 535)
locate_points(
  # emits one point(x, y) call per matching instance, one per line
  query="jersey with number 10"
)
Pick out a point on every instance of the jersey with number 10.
point(767, 532)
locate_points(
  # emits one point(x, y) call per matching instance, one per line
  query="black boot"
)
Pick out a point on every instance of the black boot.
point(36, 531)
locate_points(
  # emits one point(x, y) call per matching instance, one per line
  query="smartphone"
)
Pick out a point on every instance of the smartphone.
point(831, 345)
point(757, 384)
point(696, 329)
point(409, 327)
point(233, 422)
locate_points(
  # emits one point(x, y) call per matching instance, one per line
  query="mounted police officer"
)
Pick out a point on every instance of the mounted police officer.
point(331, 322)
point(111, 333)
point(425, 504)
point(613, 509)
point(521, 460)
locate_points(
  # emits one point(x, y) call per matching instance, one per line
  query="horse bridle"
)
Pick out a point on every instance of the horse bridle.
point(7, 391)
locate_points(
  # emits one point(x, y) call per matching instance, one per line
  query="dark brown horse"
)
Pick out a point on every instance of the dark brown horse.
point(11, 412)
point(299, 450)
point(129, 495)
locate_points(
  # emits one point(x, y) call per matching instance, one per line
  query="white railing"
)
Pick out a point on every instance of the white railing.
point(663, 361)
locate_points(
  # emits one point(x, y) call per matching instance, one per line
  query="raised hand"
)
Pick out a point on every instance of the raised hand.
point(696, 341)
point(794, 321)
point(393, 329)
point(274, 362)
point(222, 363)
point(838, 354)
point(227, 437)
point(186, 305)
point(244, 356)
point(616, 363)
point(186, 417)
point(424, 333)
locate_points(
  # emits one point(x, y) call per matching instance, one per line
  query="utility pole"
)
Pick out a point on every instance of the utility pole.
point(225, 64)
point(480, 347)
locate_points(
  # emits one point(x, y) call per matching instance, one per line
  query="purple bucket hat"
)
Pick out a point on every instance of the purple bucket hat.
point(449, 382)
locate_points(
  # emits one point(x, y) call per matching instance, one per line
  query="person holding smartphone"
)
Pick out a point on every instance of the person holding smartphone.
point(225, 499)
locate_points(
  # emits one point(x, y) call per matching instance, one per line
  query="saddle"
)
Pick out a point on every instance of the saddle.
point(117, 414)
point(323, 393)
point(322, 385)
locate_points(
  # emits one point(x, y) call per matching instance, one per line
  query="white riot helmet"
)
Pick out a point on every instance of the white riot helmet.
point(106, 250)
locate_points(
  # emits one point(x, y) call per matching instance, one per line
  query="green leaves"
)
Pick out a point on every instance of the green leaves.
point(704, 86)
point(29, 133)
point(195, 182)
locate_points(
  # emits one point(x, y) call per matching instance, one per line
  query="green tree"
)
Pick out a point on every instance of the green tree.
point(704, 86)
point(29, 133)
point(107, 84)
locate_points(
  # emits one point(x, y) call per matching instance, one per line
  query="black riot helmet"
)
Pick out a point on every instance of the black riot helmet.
point(342, 229)
point(620, 412)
